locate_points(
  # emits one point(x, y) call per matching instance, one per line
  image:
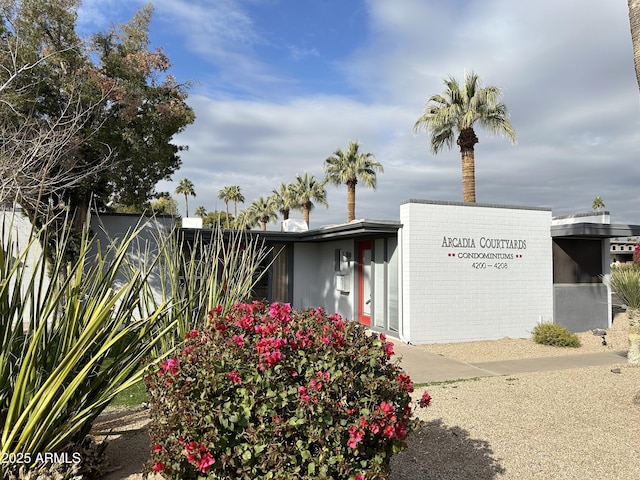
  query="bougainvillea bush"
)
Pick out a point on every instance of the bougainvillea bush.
point(264, 392)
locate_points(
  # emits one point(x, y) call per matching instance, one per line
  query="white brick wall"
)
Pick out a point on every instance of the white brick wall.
point(450, 297)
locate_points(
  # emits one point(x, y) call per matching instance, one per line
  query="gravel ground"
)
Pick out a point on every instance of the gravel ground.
point(571, 424)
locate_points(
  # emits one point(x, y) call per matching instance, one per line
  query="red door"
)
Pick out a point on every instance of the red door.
point(365, 303)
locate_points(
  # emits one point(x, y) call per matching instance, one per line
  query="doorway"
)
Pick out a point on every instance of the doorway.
point(365, 296)
point(378, 284)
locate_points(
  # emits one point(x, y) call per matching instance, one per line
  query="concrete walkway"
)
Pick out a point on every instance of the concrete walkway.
point(425, 367)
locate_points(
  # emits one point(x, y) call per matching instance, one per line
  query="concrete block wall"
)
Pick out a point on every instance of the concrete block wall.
point(474, 271)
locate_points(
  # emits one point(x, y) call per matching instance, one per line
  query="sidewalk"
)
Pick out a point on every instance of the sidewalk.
point(425, 367)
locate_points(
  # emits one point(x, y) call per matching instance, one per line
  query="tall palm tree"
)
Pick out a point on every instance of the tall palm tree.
point(634, 23)
point(246, 219)
point(347, 167)
point(226, 194)
point(455, 111)
point(264, 210)
point(236, 197)
point(308, 190)
point(185, 186)
point(284, 199)
point(598, 204)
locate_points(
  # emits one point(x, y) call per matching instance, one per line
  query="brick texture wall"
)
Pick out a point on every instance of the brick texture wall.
point(474, 272)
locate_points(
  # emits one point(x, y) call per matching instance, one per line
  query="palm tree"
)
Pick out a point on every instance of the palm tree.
point(226, 194)
point(201, 211)
point(455, 111)
point(634, 23)
point(264, 210)
point(348, 167)
point(185, 186)
point(246, 219)
point(236, 196)
point(598, 204)
point(284, 198)
point(306, 191)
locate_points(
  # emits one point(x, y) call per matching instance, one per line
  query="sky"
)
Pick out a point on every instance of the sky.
point(279, 85)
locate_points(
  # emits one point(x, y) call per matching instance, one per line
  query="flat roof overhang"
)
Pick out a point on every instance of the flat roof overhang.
point(594, 230)
point(355, 229)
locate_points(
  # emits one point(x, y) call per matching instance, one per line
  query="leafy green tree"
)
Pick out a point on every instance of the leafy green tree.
point(284, 198)
point(214, 219)
point(455, 111)
point(165, 205)
point(146, 109)
point(264, 209)
point(44, 113)
point(306, 191)
point(126, 105)
point(347, 167)
point(186, 188)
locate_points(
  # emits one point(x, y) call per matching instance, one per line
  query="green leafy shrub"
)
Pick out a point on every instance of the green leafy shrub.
point(264, 392)
point(554, 335)
point(625, 282)
point(71, 339)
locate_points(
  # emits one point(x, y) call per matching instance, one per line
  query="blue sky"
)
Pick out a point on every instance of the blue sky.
point(278, 85)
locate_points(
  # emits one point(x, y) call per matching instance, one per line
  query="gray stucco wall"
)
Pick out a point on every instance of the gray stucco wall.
point(314, 277)
point(149, 232)
point(580, 307)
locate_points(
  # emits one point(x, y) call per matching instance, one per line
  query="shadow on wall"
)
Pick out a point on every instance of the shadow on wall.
point(436, 451)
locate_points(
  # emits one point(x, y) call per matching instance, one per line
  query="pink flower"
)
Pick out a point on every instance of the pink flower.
point(170, 366)
point(157, 448)
point(405, 382)
point(355, 436)
point(205, 462)
point(246, 322)
point(280, 311)
point(315, 384)
point(158, 467)
point(425, 401)
point(302, 391)
point(192, 447)
point(388, 349)
point(387, 408)
point(389, 431)
point(239, 340)
point(358, 476)
point(191, 334)
point(235, 377)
